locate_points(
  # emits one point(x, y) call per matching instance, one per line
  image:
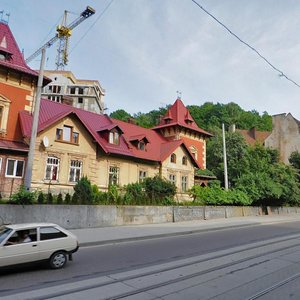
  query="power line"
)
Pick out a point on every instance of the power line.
point(100, 15)
point(281, 74)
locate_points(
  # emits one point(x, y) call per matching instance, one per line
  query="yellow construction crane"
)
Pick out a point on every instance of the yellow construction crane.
point(63, 34)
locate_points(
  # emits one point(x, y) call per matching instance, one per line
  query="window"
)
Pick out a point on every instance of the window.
point(75, 137)
point(59, 134)
point(141, 145)
point(114, 138)
point(184, 160)
point(67, 135)
point(52, 168)
point(142, 175)
point(194, 152)
point(184, 185)
point(75, 170)
point(172, 178)
point(72, 90)
point(0, 164)
point(113, 175)
point(49, 233)
point(4, 112)
point(22, 236)
point(80, 91)
point(14, 168)
point(80, 100)
point(173, 158)
point(55, 89)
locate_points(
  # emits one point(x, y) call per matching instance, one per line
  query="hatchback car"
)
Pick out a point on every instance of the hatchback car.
point(32, 242)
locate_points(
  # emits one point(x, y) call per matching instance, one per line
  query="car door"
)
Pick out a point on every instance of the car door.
point(51, 240)
point(14, 252)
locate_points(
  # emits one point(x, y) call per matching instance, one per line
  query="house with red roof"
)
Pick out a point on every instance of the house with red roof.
point(17, 88)
point(72, 142)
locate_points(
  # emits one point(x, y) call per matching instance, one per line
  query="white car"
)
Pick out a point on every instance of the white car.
point(32, 242)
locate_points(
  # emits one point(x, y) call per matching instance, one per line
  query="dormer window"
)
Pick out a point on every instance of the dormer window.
point(114, 137)
point(141, 145)
point(173, 158)
point(67, 134)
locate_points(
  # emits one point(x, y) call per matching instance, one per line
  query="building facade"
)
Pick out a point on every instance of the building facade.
point(17, 90)
point(285, 136)
point(72, 142)
point(82, 93)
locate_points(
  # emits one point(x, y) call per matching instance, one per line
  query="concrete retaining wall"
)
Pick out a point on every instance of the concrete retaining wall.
point(84, 216)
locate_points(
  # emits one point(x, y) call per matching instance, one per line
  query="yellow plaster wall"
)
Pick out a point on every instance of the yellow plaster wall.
point(179, 169)
point(96, 168)
point(84, 151)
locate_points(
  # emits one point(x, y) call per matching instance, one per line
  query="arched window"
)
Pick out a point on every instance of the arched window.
point(194, 152)
point(4, 112)
point(184, 160)
point(173, 158)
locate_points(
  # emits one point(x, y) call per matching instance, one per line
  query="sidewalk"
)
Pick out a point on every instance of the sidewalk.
point(117, 234)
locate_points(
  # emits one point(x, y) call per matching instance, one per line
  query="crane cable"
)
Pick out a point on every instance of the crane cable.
point(84, 35)
point(281, 74)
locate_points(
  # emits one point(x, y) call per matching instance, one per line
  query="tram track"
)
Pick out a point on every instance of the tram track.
point(208, 264)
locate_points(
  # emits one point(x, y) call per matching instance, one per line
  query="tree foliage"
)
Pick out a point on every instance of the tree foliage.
point(254, 170)
point(208, 116)
point(83, 192)
point(295, 160)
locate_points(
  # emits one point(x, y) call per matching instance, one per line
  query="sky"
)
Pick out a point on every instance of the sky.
point(143, 51)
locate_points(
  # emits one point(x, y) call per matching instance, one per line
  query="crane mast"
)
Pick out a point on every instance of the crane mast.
point(63, 34)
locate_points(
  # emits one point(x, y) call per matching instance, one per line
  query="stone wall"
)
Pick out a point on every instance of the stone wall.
point(84, 216)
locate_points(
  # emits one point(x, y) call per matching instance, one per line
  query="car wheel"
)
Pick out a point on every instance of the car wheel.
point(58, 260)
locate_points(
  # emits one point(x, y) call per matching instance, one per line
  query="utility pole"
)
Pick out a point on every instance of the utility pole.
point(28, 172)
point(225, 158)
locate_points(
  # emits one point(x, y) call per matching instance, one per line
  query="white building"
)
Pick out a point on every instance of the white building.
point(66, 88)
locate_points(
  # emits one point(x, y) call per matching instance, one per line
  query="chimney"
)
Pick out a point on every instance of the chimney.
point(131, 120)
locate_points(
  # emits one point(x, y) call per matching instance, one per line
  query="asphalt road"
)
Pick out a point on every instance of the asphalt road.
point(92, 262)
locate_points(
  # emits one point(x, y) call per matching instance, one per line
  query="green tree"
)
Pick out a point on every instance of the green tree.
point(294, 160)
point(237, 159)
point(159, 189)
point(120, 114)
point(83, 191)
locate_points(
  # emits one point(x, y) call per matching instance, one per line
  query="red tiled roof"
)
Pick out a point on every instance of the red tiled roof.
point(254, 136)
point(9, 45)
point(179, 115)
point(18, 146)
point(157, 148)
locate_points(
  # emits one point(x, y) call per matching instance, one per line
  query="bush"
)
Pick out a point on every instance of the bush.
point(68, 198)
point(49, 198)
point(23, 196)
point(157, 189)
point(41, 198)
point(134, 194)
point(83, 192)
point(217, 196)
point(59, 199)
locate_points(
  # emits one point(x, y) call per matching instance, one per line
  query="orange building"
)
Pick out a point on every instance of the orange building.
point(17, 88)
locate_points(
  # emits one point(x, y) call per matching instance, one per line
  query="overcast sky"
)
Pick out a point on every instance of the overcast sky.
point(143, 51)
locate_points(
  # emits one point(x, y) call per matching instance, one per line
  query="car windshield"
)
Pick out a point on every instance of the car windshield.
point(4, 232)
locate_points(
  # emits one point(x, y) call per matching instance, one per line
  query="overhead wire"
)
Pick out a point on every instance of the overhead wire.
point(98, 18)
point(281, 73)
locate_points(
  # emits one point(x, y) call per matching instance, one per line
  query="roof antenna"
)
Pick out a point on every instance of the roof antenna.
point(179, 94)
